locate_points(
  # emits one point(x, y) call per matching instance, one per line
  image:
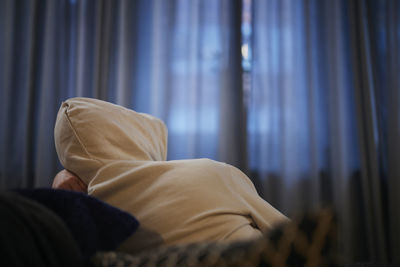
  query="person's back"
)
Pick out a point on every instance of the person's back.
point(186, 201)
point(120, 155)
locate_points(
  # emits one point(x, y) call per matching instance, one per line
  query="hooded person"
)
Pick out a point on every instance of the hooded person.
point(120, 155)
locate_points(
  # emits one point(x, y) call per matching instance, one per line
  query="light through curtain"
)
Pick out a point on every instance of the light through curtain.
point(303, 148)
point(301, 113)
point(195, 77)
point(323, 90)
point(177, 60)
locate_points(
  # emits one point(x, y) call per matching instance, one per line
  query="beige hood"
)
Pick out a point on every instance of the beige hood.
point(90, 133)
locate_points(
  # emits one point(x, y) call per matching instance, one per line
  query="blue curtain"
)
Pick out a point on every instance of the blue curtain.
point(176, 60)
point(376, 56)
point(325, 84)
point(302, 126)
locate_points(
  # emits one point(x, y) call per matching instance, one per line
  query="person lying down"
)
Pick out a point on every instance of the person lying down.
point(119, 156)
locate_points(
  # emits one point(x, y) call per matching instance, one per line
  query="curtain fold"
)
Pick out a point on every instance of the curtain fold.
point(324, 76)
point(376, 25)
point(195, 81)
point(178, 60)
point(232, 146)
point(390, 52)
point(382, 28)
point(366, 102)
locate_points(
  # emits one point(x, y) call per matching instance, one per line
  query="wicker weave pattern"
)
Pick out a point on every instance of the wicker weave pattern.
point(308, 241)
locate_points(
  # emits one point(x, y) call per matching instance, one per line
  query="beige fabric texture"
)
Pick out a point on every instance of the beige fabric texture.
point(121, 155)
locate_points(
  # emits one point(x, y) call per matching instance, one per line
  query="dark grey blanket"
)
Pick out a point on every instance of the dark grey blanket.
point(32, 235)
point(95, 225)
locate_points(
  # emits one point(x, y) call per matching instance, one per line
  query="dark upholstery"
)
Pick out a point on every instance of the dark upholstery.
point(32, 235)
point(95, 225)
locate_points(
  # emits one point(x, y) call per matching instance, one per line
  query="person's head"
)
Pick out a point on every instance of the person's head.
point(90, 133)
point(69, 181)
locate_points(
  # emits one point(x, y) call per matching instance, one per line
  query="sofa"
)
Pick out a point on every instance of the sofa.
point(46, 227)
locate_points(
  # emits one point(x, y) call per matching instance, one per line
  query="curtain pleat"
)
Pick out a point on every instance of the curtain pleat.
point(177, 60)
point(232, 110)
point(369, 88)
point(388, 92)
point(314, 124)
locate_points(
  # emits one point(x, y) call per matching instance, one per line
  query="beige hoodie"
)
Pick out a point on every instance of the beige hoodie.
point(121, 155)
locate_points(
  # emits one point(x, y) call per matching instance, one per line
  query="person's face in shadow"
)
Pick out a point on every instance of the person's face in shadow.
point(69, 181)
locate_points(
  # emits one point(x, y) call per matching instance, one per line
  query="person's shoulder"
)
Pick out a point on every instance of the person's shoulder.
point(210, 163)
point(198, 161)
point(200, 168)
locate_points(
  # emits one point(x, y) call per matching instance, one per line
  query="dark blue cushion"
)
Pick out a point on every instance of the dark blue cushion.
point(95, 225)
